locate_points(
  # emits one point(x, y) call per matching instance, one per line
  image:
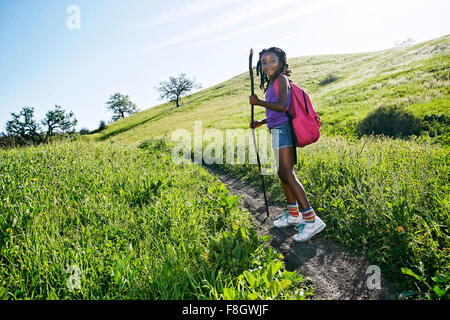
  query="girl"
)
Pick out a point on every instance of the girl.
point(272, 64)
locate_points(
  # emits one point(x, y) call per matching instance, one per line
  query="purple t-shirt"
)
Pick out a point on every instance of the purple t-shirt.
point(275, 118)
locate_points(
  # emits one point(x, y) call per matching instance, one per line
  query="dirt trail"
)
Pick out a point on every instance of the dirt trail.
point(336, 274)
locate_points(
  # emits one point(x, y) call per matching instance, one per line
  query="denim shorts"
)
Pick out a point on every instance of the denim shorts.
point(281, 136)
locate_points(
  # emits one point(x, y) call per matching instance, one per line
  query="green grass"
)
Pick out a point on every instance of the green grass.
point(385, 198)
point(368, 188)
point(415, 77)
point(135, 225)
point(423, 89)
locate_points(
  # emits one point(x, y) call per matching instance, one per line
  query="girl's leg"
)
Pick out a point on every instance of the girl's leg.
point(290, 197)
point(293, 189)
point(292, 215)
point(311, 224)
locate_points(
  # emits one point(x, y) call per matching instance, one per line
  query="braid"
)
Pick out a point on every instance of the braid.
point(283, 69)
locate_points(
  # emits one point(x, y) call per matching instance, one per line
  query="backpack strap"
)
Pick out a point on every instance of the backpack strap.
point(275, 88)
point(291, 125)
point(306, 104)
point(293, 136)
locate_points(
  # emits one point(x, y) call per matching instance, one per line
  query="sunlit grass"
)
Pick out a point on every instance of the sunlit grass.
point(135, 224)
point(415, 77)
point(382, 197)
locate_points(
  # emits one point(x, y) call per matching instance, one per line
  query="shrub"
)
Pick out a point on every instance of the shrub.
point(328, 79)
point(156, 144)
point(102, 125)
point(84, 131)
point(392, 121)
point(438, 127)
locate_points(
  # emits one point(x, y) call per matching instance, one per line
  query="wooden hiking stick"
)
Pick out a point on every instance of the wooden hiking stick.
point(253, 129)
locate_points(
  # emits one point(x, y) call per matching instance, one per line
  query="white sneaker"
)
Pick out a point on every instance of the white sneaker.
point(307, 230)
point(286, 220)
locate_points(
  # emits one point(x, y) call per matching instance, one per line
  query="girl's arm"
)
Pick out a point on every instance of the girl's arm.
point(282, 97)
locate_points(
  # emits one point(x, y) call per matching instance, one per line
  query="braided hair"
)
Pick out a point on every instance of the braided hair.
point(283, 69)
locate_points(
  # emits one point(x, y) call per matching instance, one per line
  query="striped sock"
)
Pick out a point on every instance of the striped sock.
point(293, 209)
point(309, 215)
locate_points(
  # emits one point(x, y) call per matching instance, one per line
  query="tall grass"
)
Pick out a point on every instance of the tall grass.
point(87, 220)
point(415, 77)
point(383, 197)
point(131, 220)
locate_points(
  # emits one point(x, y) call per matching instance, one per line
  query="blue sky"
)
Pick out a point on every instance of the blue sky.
point(129, 46)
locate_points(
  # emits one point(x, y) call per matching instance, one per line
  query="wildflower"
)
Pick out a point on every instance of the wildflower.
point(34, 180)
point(9, 230)
point(400, 229)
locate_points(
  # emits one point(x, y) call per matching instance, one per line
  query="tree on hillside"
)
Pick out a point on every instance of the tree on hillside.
point(177, 87)
point(102, 125)
point(24, 126)
point(56, 120)
point(405, 43)
point(120, 105)
point(84, 131)
point(29, 130)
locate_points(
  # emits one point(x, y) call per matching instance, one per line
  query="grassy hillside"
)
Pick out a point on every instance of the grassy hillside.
point(382, 197)
point(137, 225)
point(415, 77)
point(95, 221)
point(385, 198)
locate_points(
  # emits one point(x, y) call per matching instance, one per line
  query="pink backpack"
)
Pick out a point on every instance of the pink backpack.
point(303, 119)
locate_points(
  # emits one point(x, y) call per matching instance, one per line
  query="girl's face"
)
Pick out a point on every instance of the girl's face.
point(270, 63)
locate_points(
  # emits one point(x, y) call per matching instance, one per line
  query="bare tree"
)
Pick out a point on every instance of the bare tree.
point(56, 120)
point(120, 105)
point(177, 87)
point(405, 43)
point(27, 129)
point(24, 126)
